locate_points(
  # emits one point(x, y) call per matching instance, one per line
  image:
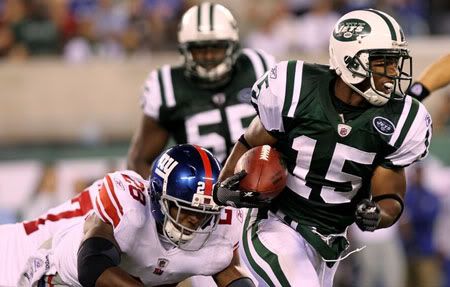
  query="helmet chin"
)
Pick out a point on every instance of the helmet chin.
point(175, 235)
point(215, 73)
point(372, 95)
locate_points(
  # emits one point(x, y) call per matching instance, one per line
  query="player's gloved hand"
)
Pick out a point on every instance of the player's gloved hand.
point(227, 193)
point(367, 215)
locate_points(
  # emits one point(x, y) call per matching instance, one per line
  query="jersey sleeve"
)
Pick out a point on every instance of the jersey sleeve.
point(275, 90)
point(411, 137)
point(151, 100)
point(122, 202)
point(261, 61)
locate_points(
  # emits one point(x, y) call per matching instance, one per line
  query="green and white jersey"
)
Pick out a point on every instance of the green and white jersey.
point(214, 119)
point(331, 163)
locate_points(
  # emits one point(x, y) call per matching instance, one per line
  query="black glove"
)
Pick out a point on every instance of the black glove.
point(228, 193)
point(367, 215)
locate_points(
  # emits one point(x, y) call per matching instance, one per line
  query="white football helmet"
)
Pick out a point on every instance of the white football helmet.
point(366, 34)
point(209, 24)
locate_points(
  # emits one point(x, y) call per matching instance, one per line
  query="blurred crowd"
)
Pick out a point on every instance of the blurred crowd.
point(415, 252)
point(78, 29)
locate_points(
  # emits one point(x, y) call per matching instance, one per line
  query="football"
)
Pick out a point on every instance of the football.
point(266, 171)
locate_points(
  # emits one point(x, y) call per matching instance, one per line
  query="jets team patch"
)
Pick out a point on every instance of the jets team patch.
point(383, 126)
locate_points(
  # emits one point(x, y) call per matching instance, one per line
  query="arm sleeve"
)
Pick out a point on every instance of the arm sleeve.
point(151, 100)
point(122, 202)
point(268, 97)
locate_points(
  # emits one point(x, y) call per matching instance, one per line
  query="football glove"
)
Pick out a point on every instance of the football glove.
point(227, 193)
point(367, 215)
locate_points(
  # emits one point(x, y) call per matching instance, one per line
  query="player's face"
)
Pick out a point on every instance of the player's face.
point(384, 68)
point(190, 219)
point(209, 55)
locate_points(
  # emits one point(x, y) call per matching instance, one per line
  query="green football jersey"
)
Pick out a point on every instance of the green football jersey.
point(330, 161)
point(212, 118)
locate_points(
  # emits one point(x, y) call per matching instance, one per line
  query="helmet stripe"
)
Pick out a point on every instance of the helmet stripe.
point(199, 17)
point(388, 22)
point(208, 170)
point(204, 16)
point(211, 17)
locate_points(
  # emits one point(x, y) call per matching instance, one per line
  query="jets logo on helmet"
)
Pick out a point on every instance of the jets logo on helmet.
point(209, 25)
point(362, 35)
point(351, 29)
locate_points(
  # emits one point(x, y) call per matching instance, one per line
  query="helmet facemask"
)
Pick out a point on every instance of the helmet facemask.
point(182, 236)
point(213, 72)
point(360, 66)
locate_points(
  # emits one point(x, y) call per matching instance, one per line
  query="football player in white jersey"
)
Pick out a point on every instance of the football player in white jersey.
point(19, 240)
point(145, 233)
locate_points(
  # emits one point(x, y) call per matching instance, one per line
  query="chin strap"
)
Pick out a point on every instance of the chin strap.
point(375, 98)
point(176, 235)
point(243, 141)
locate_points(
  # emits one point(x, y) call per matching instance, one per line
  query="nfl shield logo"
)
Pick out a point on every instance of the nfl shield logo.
point(159, 269)
point(343, 130)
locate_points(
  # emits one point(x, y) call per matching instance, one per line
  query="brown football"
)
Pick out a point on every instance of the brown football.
point(266, 171)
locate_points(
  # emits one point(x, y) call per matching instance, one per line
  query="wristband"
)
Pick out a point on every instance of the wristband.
point(418, 91)
point(243, 141)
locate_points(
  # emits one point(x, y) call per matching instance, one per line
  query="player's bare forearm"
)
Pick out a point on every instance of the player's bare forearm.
point(228, 168)
point(437, 75)
point(389, 182)
point(255, 135)
point(116, 277)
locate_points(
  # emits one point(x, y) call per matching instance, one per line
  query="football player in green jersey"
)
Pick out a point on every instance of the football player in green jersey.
point(206, 101)
point(346, 132)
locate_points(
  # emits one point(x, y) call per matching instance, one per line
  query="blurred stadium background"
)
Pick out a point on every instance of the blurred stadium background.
point(70, 78)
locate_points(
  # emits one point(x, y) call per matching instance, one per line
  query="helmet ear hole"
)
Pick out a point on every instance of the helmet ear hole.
point(352, 64)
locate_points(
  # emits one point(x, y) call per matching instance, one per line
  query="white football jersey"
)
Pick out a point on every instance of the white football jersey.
point(123, 201)
point(18, 241)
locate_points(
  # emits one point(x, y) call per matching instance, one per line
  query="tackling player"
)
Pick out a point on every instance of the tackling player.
point(347, 131)
point(142, 233)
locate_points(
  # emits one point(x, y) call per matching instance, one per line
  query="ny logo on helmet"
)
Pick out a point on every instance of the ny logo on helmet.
point(165, 166)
